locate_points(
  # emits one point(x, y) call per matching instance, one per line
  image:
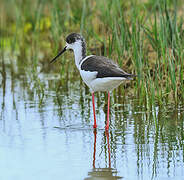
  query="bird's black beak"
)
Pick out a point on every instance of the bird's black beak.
point(54, 59)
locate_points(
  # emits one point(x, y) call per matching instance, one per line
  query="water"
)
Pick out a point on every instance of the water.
point(46, 131)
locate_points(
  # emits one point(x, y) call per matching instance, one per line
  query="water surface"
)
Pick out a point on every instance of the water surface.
point(46, 130)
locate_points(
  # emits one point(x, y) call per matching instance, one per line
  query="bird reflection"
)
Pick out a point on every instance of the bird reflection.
point(102, 173)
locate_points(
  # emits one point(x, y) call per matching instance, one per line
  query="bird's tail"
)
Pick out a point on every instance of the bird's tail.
point(130, 76)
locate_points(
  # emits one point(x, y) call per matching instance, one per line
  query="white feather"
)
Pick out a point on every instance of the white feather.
point(88, 77)
point(105, 84)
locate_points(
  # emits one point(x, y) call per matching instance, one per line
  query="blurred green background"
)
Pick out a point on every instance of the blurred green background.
point(145, 37)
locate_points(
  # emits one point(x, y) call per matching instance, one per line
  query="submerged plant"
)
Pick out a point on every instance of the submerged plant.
point(144, 37)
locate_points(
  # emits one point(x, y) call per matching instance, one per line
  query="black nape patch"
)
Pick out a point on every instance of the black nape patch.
point(71, 38)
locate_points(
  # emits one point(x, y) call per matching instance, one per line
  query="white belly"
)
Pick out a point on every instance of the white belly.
point(106, 84)
point(100, 84)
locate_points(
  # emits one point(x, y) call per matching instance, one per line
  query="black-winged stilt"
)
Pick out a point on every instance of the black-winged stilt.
point(99, 73)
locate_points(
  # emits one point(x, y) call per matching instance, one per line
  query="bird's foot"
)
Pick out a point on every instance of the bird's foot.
point(94, 126)
point(107, 128)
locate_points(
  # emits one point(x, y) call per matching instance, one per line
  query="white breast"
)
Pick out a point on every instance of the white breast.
point(88, 77)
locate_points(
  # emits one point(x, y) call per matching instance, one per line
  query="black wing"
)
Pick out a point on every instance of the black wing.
point(105, 67)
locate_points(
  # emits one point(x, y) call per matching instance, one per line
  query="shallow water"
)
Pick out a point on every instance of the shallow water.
point(46, 131)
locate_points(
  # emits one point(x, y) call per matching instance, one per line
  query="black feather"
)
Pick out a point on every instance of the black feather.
point(105, 67)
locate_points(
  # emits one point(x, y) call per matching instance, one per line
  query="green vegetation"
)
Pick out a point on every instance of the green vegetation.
point(144, 37)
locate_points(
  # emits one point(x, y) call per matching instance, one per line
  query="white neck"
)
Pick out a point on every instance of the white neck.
point(78, 54)
point(79, 49)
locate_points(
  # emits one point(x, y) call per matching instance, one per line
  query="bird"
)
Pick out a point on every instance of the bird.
point(99, 73)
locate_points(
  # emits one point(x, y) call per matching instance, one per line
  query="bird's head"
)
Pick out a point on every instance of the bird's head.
point(74, 41)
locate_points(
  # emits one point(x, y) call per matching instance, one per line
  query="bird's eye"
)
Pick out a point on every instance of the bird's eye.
point(70, 40)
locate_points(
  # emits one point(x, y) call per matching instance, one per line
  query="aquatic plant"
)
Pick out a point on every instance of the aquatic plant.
point(146, 38)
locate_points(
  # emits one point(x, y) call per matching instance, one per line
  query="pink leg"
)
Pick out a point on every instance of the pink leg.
point(94, 153)
point(107, 125)
point(93, 100)
point(108, 145)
